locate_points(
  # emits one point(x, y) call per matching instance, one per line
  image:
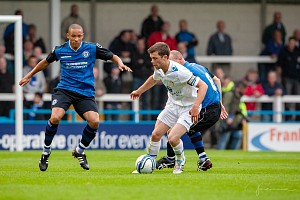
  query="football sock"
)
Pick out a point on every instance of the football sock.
point(51, 130)
point(178, 150)
point(46, 150)
point(202, 156)
point(80, 148)
point(197, 142)
point(153, 148)
point(170, 152)
point(88, 135)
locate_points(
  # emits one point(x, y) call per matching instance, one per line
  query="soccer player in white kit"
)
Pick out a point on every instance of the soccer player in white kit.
point(185, 95)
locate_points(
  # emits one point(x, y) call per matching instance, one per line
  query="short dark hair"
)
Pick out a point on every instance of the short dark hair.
point(161, 48)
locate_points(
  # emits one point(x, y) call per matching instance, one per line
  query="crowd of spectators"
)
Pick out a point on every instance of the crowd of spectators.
point(280, 78)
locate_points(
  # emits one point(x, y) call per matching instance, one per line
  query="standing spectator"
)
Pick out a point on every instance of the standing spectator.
point(187, 38)
point(152, 23)
point(276, 25)
point(271, 88)
point(163, 36)
point(38, 82)
point(122, 46)
point(35, 39)
point(141, 70)
point(181, 47)
point(113, 84)
point(231, 134)
point(296, 35)
point(9, 34)
point(6, 86)
point(288, 66)
point(220, 44)
point(272, 49)
point(73, 18)
point(254, 88)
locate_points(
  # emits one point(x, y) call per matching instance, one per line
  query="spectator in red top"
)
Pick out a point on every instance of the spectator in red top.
point(163, 36)
point(254, 88)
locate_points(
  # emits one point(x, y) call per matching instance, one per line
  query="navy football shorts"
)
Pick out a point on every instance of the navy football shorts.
point(64, 98)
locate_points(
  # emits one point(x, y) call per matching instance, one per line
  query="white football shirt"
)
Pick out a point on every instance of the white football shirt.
point(180, 83)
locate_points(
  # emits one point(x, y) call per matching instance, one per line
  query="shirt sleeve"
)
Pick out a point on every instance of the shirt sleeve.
point(52, 56)
point(187, 76)
point(102, 53)
point(156, 75)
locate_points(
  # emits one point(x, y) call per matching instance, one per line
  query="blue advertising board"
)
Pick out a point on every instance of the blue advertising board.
point(110, 136)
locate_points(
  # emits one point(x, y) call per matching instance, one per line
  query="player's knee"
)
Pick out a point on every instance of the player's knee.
point(94, 122)
point(155, 136)
point(173, 140)
point(55, 118)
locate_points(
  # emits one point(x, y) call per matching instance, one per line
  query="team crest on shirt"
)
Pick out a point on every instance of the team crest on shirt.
point(54, 102)
point(85, 54)
point(174, 69)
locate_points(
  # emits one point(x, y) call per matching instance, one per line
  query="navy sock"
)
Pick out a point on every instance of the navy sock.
point(170, 151)
point(88, 135)
point(197, 142)
point(51, 130)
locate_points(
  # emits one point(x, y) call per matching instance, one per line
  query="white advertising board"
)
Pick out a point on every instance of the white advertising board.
point(273, 137)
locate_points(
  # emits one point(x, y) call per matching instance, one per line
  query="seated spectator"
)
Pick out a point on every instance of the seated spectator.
point(6, 86)
point(254, 88)
point(27, 50)
point(37, 82)
point(181, 47)
point(9, 34)
point(296, 35)
point(271, 88)
point(9, 63)
point(99, 85)
point(35, 39)
point(113, 84)
point(36, 104)
point(187, 38)
point(162, 36)
point(231, 128)
point(141, 69)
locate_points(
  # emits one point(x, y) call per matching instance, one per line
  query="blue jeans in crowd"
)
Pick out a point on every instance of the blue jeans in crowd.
point(230, 139)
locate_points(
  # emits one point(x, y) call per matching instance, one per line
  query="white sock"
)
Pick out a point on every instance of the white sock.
point(179, 153)
point(153, 148)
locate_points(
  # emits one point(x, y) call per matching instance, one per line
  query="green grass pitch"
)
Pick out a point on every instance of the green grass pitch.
point(235, 175)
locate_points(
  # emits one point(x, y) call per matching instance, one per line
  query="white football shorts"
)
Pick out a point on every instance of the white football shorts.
point(173, 114)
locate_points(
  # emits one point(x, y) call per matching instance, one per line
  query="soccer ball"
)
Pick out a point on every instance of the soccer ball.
point(145, 164)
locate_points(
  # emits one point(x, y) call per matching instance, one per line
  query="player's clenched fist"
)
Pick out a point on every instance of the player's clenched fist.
point(24, 81)
point(135, 95)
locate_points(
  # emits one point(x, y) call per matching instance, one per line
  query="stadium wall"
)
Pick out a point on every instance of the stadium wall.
point(242, 21)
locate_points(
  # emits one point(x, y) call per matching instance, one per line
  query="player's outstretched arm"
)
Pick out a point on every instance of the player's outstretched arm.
point(149, 83)
point(117, 60)
point(43, 64)
point(224, 113)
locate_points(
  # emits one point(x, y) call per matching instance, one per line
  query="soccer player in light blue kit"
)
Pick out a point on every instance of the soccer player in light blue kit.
point(76, 86)
point(212, 110)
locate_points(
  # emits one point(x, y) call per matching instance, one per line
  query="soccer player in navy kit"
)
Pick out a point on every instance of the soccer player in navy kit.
point(212, 110)
point(76, 86)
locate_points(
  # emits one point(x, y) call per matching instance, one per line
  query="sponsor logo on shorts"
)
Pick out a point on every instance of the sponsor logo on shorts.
point(54, 102)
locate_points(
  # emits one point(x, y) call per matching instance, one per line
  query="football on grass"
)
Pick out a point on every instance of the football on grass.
point(145, 164)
